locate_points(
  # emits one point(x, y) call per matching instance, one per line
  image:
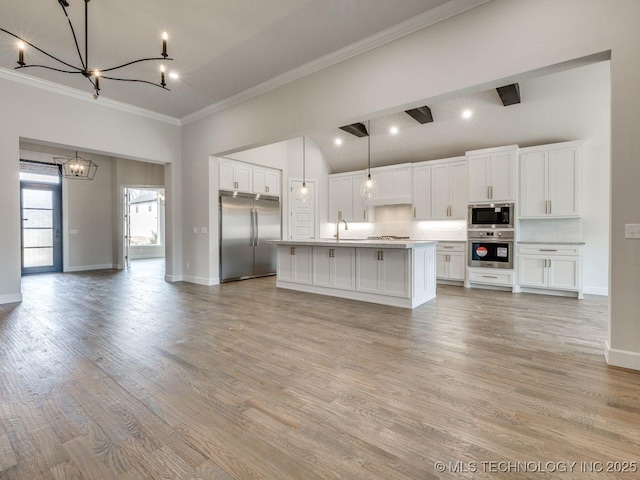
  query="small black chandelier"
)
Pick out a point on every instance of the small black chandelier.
point(93, 75)
point(76, 167)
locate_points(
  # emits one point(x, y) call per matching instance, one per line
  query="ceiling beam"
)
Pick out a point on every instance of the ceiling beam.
point(421, 114)
point(357, 129)
point(509, 94)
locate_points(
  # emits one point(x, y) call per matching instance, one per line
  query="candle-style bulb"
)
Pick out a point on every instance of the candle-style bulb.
point(162, 77)
point(165, 37)
point(21, 47)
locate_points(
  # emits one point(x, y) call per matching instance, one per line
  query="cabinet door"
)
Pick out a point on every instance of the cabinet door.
point(360, 212)
point(340, 198)
point(422, 193)
point(302, 264)
point(402, 182)
point(533, 185)
point(532, 271)
point(564, 273)
point(243, 175)
point(563, 183)
point(285, 263)
point(322, 266)
point(367, 263)
point(227, 176)
point(259, 181)
point(459, 191)
point(272, 183)
point(503, 169)
point(385, 182)
point(344, 268)
point(440, 191)
point(457, 266)
point(395, 273)
point(442, 270)
point(479, 178)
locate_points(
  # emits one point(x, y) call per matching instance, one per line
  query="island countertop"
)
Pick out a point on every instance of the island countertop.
point(402, 244)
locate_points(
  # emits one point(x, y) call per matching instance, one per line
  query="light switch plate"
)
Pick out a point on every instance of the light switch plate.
point(195, 229)
point(632, 230)
point(204, 230)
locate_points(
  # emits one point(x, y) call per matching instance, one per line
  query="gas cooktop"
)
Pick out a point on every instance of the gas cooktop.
point(387, 237)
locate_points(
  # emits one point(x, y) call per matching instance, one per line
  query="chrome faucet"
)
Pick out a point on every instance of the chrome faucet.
point(346, 227)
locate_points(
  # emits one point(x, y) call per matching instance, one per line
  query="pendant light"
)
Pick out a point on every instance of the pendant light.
point(369, 188)
point(304, 192)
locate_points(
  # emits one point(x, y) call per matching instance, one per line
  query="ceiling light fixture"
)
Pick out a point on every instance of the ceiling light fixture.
point(369, 188)
point(76, 167)
point(467, 114)
point(304, 192)
point(338, 141)
point(393, 130)
point(91, 74)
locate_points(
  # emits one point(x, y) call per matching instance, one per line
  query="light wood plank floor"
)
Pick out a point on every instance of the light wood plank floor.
point(118, 374)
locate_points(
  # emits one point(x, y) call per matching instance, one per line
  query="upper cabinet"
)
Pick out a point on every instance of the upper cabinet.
point(440, 189)
point(492, 174)
point(345, 201)
point(550, 181)
point(394, 185)
point(242, 177)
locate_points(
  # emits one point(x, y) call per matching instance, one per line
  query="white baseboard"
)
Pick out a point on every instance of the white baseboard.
point(621, 358)
point(173, 278)
point(603, 291)
point(10, 298)
point(201, 280)
point(84, 268)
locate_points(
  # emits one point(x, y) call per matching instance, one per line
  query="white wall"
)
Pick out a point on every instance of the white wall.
point(484, 47)
point(29, 113)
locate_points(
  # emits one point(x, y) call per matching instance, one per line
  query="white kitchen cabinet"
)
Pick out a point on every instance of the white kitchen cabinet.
point(550, 181)
point(334, 267)
point(393, 183)
point(341, 197)
point(492, 174)
point(295, 264)
point(451, 263)
point(422, 192)
point(235, 176)
point(266, 181)
point(383, 271)
point(550, 267)
point(440, 189)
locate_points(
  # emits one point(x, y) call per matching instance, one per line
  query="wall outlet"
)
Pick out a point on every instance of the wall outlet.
point(187, 265)
point(205, 230)
point(632, 230)
point(195, 229)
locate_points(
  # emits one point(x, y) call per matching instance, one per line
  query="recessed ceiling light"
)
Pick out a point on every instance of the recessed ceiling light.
point(467, 113)
point(393, 130)
point(174, 75)
point(338, 141)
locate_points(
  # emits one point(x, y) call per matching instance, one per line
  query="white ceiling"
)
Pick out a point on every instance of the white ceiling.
point(221, 47)
point(569, 105)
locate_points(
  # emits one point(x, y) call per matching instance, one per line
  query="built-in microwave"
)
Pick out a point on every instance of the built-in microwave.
point(491, 215)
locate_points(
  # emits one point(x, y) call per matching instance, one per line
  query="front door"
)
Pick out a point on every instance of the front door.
point(40, 206)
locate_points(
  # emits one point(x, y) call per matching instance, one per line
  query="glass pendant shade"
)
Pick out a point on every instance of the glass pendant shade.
point(369, 187)
point(303, 193)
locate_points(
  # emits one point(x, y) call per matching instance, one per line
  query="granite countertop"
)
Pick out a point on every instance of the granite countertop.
point(551, 243)
point(347, 242)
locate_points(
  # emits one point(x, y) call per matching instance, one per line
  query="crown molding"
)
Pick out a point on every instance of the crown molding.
point(402, 29)
point(83, 95)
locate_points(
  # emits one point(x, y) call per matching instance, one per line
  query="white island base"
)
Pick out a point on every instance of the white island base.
point(396, 273)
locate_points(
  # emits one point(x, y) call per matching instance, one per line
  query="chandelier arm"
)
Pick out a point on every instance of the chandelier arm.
point(135, 61)
point(49, 68)
point(75, 39)
point(42, 51)
point(135, 80)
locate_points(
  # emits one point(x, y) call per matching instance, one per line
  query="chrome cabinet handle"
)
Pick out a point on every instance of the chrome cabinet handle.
point(489, 276)
point(549, 207)
point(488, 192)
point(293, 251)
point(382, 255)
point(548, 250)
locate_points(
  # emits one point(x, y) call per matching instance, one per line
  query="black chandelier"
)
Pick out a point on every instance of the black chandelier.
point(93, 75)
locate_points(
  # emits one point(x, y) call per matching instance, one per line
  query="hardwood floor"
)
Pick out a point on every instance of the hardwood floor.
point(118, 374)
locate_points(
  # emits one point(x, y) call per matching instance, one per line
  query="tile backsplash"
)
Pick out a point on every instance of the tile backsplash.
point(551, 230)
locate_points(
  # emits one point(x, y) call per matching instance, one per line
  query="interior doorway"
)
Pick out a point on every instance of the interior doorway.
point(41, 220)
point(303, 214)
point(144, 231)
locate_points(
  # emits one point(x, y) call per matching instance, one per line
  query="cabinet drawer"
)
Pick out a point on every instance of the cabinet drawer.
point(448, 247)
point(548, 250)
point(491, 277)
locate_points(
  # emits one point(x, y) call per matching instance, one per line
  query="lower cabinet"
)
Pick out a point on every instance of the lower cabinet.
point(334, 267)
point(550, 267)
point(384, 271)
point(451, 261)
point(294, 264)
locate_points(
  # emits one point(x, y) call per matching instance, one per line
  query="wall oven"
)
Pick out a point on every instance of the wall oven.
point(493, 215)
point(491, 248)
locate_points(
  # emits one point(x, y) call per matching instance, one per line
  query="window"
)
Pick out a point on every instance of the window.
point(146, 222)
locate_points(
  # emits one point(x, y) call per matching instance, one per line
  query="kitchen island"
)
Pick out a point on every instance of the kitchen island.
point(400, 273)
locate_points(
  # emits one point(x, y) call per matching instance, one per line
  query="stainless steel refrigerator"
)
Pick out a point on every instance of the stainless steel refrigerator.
point(246, 223)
